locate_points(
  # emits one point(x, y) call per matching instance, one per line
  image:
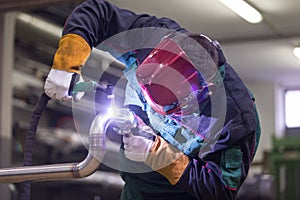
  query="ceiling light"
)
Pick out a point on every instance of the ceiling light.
point(41, 24)
point(244, 10)
point(297, 52)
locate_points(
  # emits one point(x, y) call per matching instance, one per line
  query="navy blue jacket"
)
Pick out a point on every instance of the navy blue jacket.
point(220, 173)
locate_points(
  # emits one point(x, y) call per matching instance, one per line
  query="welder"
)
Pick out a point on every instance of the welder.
point(200, 149)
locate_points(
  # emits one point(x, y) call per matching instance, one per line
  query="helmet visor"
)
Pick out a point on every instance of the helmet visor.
point(168, 79)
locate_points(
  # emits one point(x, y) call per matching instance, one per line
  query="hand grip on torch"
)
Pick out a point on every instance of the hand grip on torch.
point(125, 123)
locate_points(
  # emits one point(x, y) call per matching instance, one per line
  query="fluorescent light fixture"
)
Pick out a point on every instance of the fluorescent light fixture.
point(244, 10)
point(41, 24)
point(297, 52)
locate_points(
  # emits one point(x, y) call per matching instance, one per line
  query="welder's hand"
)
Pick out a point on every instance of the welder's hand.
point(57, 84)
point(137, 147)
point(70, 57)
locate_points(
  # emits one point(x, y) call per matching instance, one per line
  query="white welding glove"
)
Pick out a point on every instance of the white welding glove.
point(57, 85)
point(136, 147)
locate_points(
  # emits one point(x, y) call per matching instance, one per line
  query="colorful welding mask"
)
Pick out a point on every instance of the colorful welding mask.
point(169, 81)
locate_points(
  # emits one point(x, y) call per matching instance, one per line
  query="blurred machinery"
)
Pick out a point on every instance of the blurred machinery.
point(260, 184)
point(285, 166)
point(280, 176)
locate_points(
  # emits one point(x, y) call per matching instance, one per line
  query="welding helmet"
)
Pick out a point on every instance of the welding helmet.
point(176, 77)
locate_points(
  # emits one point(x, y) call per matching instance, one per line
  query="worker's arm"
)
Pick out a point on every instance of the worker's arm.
point(200, 179)
point(215, 176)
point(88, 25)
point(97, 20)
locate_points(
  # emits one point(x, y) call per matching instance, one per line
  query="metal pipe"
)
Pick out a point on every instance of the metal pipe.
point(63, 171)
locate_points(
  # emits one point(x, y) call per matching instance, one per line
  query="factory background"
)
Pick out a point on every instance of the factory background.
point(262, 52)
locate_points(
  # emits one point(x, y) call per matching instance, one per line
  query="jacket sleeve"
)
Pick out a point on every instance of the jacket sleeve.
point(218, 175)
point(200, 179)
point(203, 181)
point(94, 21)
point(97, 20)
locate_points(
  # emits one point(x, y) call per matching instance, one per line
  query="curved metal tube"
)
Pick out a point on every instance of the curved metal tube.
point(64, 171)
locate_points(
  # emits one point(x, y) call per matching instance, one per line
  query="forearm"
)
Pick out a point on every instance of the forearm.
point(97, 20)
point(88, 24)
point(201, 180)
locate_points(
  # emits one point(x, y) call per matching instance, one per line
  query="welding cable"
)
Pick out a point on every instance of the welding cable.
point(25, 187)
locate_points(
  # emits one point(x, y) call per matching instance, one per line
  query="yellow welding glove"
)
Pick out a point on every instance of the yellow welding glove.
point(158, 154)
point(72, 53)
point(167, 160)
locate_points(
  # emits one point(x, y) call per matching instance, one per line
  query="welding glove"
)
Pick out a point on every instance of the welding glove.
point(137, 147)
point(57, 84)
point(72, 53)
point(157, 154)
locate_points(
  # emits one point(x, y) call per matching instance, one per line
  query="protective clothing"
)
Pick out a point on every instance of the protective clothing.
point(168, 70)
point(157, 154)
point(184, 77)
point(215, 174)
point(72, 53)
point(136, 148)
point(57, 84)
